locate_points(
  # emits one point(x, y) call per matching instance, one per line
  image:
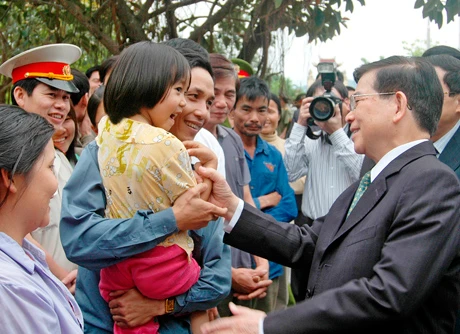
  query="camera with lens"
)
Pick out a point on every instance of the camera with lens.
point(322, 107)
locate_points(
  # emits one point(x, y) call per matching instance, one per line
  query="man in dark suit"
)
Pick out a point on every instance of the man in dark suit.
point(447, 136)
point(446, 62)
point(386, 262)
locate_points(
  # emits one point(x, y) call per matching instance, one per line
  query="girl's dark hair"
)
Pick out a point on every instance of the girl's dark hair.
point(141, 77)
point(23, 137)
point(93, 103)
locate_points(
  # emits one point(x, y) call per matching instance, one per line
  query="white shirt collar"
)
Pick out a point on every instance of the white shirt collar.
point(390, 156)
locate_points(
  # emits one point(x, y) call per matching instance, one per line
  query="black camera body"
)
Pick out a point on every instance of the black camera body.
point(322, 107)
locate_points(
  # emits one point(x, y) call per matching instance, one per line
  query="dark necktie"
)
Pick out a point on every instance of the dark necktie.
point(363, 185)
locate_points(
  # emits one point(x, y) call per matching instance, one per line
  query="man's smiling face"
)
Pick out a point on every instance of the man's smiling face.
point(200, 97)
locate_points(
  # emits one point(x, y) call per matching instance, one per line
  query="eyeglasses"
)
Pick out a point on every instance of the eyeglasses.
point(354, 96)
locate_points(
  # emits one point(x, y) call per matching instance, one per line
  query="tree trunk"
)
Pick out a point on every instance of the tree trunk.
point(268, 18)
point(131, 26)
point(171, 20)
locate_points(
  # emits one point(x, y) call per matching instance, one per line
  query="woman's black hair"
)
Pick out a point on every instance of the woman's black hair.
point(275, 98)
point(23, 137)
point(94, 101)
point(70, 154)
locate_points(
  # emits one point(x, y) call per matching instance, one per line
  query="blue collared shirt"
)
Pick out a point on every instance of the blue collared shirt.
point(94, 242)
point(268, 174)
point(32, 299)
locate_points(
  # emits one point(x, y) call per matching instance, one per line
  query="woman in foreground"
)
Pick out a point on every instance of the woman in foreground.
point(32, 299)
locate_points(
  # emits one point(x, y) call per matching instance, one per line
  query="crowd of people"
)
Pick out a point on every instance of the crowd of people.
point(128, 205)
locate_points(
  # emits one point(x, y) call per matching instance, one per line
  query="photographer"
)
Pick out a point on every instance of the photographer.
point(328, 159)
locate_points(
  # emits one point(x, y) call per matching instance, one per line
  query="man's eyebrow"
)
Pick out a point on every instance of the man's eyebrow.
point(196, 90)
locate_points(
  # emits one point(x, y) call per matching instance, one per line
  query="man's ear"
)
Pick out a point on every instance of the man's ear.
point(20, 94)
point(84, 100)
point(457, 109)
point(402, 106)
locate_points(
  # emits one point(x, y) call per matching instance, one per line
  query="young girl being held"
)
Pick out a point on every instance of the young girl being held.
point(144, 167)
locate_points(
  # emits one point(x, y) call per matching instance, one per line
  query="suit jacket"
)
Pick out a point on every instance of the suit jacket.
point(451, 153)
point(392, 266)
point(451, 157)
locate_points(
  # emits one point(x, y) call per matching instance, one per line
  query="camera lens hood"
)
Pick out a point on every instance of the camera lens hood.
point(322, 108)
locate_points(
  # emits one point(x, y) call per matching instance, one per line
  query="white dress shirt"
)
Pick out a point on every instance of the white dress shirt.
point(330, 169)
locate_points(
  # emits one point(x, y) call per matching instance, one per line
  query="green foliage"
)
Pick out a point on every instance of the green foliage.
point(231, 27)
point(280, 85)
point(415, 49)
point(25, 25)
point(434, 9)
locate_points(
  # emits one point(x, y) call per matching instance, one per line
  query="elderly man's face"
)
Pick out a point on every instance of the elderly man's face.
point(225, 91)
point(370, 122)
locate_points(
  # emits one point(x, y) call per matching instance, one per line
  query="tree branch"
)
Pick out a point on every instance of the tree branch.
point(265, 18)
point(101, 9)
point(94, 28)
point(143, 15)
point(198, 33)
point(171, 20)
point(174, 6)
point(129, 22)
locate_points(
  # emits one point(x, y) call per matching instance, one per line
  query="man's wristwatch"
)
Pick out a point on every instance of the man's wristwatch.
point(169, 305)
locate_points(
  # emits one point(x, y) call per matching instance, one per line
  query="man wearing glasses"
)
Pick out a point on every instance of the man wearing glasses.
point(385, 258)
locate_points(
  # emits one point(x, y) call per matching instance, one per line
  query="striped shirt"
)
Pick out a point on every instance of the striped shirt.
point(330, 169)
